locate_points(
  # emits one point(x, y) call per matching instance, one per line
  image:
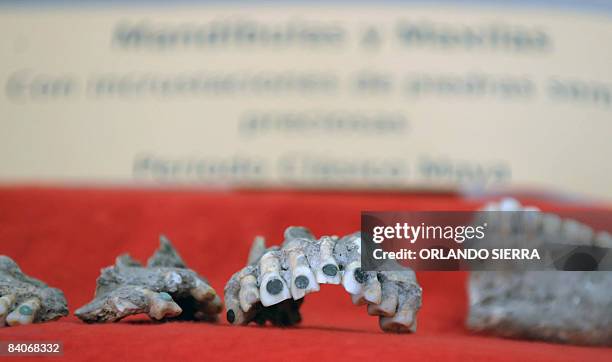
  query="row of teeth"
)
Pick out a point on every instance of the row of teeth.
point(24, 313)
point(277, 285)
point(161, 305)
point(533, 221)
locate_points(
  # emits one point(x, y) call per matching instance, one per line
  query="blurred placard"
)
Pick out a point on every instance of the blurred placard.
point(391, 94)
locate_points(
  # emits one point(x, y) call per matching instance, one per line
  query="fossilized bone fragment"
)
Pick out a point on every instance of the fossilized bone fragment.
point(558, 306)
point(165, 289)
point(25, 300)
point(273, 284)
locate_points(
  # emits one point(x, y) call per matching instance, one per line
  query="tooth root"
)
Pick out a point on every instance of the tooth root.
point(353, 278)
point(327, 271)
point(372, 291)
point(273, 288)
point(161, 305)
point(25, 313)
point(249, 292)
point(203, 292)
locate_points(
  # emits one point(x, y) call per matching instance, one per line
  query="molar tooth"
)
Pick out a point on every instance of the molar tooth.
point(202, 292)
point(25, 313)
point(353, 278)
point(372, 291)
point(402, 321)
point(161, 305)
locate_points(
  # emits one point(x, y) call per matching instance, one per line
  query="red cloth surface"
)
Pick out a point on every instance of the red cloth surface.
point(64, 236)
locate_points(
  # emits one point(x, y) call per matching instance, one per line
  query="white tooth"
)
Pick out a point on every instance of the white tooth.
point(603, 239)
point(162, 306)
point(301, 274)
point(327, 261)
point(348, 279)
point(266, 290)
point(249, 292)
point(551, 225)
point(271, 281)
point(297, 274)
point(25, 313)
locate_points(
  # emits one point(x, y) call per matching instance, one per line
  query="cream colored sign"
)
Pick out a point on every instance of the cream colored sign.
point(318, 96)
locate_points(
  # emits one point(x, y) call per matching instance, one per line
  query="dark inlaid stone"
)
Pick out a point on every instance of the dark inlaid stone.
point(301, 282)
point(274, 286)
point(330, 270)
point(231, 317)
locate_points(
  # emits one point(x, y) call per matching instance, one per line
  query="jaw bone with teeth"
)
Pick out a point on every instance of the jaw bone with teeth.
point(558, 306)
point(273, 284)
point(25, 300)
point(164, 289)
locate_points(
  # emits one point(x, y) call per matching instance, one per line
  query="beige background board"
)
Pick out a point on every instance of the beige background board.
point(475, 97)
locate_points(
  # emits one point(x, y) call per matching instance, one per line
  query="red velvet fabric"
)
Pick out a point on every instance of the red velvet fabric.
point(64, 236)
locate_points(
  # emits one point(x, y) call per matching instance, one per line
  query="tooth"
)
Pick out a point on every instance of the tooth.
point(403, 321)
point(327, 272)
point(532, 219)
point(273, 288)
point(161, 305)
point(372, 291)
point(234, 314)
point(249, 292)
point(302, 279)
point(388, 305)
point(551, 225)
point(25, 313)
point(202, 292)
point(6, 303)
point(353, 278)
